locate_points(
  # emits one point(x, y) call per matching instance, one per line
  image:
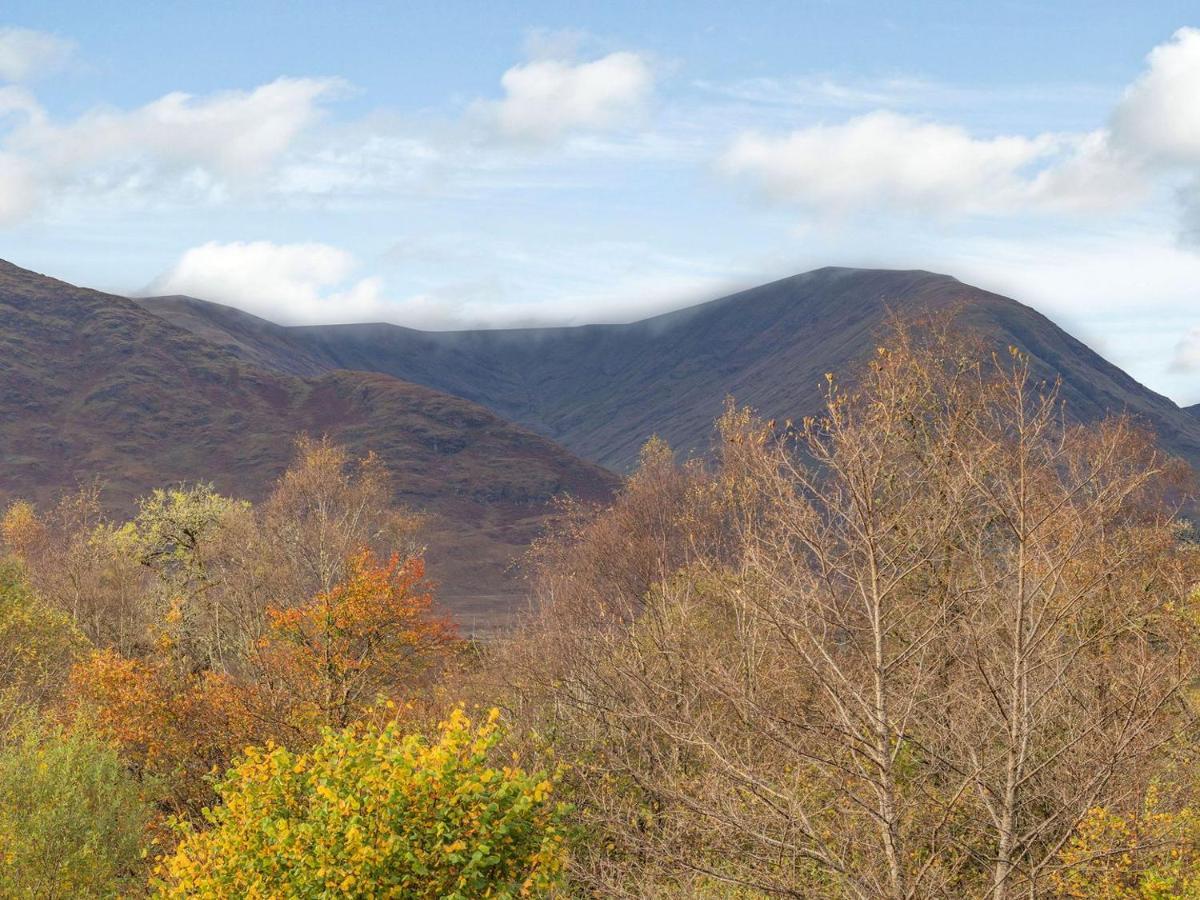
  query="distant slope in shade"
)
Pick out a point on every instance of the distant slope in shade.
point(94, 386)
point(601, 390)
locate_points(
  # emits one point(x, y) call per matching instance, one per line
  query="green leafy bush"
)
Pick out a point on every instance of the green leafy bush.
point(371, 812)
point(71, 818)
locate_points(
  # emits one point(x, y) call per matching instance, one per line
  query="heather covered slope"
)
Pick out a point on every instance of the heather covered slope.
point(93, 386)
point(602, 390)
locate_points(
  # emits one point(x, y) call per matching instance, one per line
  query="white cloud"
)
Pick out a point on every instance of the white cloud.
point(882, 160)
point(26, 54)
point(1159, 115)
point(1158, 121)
point(282, 282)
point(886, 160)
point(491, 287)
point(545, 99)
point(1128, 290)
point(232, 134)
point(180, 145)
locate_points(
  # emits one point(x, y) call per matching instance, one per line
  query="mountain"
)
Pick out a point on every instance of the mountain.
point(93, 385)
point(601, 390)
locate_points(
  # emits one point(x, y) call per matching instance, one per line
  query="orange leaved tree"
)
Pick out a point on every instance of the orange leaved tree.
point(173, 728)
point(371, 637)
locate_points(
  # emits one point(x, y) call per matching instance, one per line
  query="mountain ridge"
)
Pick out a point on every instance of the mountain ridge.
point(602, 390)
point(94, 386)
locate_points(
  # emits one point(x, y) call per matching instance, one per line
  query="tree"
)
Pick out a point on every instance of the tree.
point(323, 510)
point(173, 728)
point(370, 637)
point(37, 647)
point(1147, 854)
point(80, 562)
point(71, 819)
point(907, 645)
point(371, 812)
point(179, 538)
point(329, 662)
point(21, 530)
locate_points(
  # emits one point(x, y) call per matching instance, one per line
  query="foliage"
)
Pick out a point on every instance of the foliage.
point(85, 565)
point(173, 728)
point(323, 510)
point(371, 812)
point(1153, 854)
point(177, 533)
point(20, 528)
point(372, 636)
point(37, 645)
point(71, 818)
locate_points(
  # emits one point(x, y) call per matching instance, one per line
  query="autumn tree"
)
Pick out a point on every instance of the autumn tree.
point(81, 562)
point(173, 728)
point(21, 530)
point(371, 637)
point(908, 646)
point(323, 510)
point(182, 536)
point(235, 562)
point(1146, 853)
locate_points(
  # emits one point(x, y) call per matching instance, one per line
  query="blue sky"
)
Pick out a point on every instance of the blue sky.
point(451, 165)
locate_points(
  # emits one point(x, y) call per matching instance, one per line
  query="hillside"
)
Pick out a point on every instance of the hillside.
point(92, 385)
point(601, 390)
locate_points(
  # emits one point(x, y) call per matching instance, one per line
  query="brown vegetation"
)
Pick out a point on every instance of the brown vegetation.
point(897, 651)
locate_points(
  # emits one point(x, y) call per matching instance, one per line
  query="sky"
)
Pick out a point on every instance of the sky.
point(450, 165)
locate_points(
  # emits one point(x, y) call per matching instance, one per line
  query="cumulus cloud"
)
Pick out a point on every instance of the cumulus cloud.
point(231, 133)
point(1159, 115)
point(221, 147)
point(1157, 121)
point(287, 283)
point(315, 283)
point(545, 99)
point(26, 54)
point(885, 159)
point(178, 145)
point(18, 189)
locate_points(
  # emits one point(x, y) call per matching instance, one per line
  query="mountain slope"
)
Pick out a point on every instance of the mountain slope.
point(602, 390)
point(92, 385)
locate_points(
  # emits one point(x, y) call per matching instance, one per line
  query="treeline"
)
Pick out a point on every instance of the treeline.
point(221, 699)
point(937, 642)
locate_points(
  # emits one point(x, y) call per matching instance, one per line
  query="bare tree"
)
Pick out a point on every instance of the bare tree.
point(906, 647)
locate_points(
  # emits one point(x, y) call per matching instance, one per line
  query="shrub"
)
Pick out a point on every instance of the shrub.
point(371, 812)
point(71, 818)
